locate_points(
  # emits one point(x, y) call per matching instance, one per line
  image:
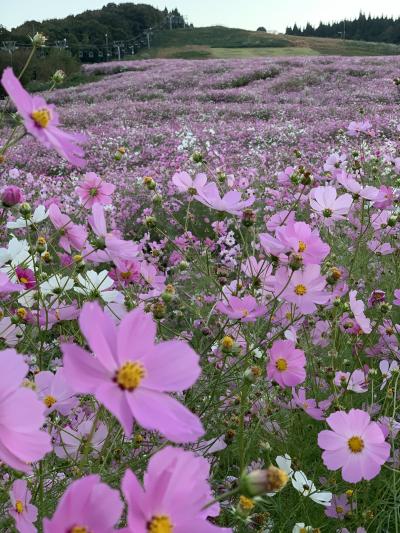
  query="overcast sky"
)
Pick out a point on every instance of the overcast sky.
point(248, 14)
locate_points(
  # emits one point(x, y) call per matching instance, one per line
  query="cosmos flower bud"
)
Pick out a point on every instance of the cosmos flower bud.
point(149, 183)
point(245, 505)
point(259, 482)
point(197, 157)
point(25, 209)
point(227, 344)
point(39, 39)
point(252, 374)
point(11, 195)
point(248, 217)
point(158, 310)
point(58, 76)
point(150, 221)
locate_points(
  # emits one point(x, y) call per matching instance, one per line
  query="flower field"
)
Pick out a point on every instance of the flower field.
point(200, 298)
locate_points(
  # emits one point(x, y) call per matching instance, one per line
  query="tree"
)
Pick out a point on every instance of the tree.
point(261, 28)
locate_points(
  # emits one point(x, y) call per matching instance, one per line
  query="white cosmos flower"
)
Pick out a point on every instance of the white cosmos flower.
point(57, 284)
point(98, 284)
point(39, 215)
point(285, 463)
point(300, 527)
point(307, 488)
point(17, 252)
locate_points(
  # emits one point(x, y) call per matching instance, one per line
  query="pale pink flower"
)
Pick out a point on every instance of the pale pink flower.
point(72, 235)
point(21, 416)
point(23, 512)
point(305, 288)
point(173, 496)
point(54, 391)
point(355, 444)
point(245, 309)
point(357, 307)
point(325, 201)
point(184, 183)
point(41, 120)
point(231, 202)
point(87, 505)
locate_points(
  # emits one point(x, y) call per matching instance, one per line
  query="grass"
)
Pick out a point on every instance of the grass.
point(221, 42)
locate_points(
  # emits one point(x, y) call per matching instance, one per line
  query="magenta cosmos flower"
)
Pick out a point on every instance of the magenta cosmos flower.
point(23, 512)
point(356, 445)
point(245, 309)
point(130, 374)
point(41, 121)
point(173, 496)
point(305, 288)
point(21, 416)
point(93, 190)
point(286, 364)
point(87, 506)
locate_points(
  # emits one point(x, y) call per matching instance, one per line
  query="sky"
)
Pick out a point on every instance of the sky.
point(247, 14)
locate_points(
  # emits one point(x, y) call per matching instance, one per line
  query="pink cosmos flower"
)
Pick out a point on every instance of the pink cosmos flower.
point(112, 246)
point(335, 163)
point(245, 309)
point(339, 507)
point(21, 416)
point(23, 512)
point(54, 391)
point(396, 300)
point(93, 190)
point(308, 405)
point(184, 183)
point(126, 272)
point(130, 374)
point(174, 494)
point(325, 201)
point(71, 442)
point(41, 121)
point(72, 235)
point(305, 288)
point(231, 202)
point(299, 238)
point(353, 186)
point(286, 364)
point(356, 445)
point(355, 128)
point(86, 505)
point(356, 381)
point(7, 287)
point(357, 307)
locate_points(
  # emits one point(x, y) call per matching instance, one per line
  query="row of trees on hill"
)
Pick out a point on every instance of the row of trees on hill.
point(376, 29)
point(114, 22)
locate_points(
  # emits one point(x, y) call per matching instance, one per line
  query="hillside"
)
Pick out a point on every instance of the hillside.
point(218, 41)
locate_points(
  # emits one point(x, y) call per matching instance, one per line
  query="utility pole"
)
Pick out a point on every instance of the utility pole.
point(106, 46)
point(10, 47)
point(344, 29)
point(148, 34)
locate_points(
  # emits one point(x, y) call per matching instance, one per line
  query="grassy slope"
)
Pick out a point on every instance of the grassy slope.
point(218, 41)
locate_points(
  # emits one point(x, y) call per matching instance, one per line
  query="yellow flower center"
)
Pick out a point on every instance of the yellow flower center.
point(129, 376)
point(160, 524)
point(300, 290)
point(281, 364)
point(49, 401)
point(126, 275)
point(23, 280)
point(339, 509)
point(246, 503)
point(356, 444)
point(19, 507)
point(79, 529)
point(302, 246)
point(42, 117)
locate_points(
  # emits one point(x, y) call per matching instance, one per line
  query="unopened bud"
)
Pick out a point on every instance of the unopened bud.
point(259, 482)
